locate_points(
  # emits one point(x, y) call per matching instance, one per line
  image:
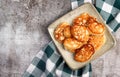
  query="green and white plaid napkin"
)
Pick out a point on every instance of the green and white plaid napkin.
point(49, 63)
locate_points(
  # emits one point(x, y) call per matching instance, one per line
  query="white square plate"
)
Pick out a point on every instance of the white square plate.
point(68, 56)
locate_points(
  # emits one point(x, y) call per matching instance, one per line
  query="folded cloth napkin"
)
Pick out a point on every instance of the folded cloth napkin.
point(49, 63)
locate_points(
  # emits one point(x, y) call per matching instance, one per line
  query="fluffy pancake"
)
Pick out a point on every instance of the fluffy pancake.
point(97, 41)
point(94, 26)
point(84, 53)
point(81, 20)
point(58, 33)
point(80, 33)
point(71, 44)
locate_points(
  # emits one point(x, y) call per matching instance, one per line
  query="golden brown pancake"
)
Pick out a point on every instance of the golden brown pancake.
point(95, 27)
point(58, 33)
point(97, 41)
point(72, 44)
point(80, 33)
point(84, 53)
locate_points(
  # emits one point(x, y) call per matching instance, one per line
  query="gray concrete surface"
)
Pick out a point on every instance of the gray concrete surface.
point(23, 32)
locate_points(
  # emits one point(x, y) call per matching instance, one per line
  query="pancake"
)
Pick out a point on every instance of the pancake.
point(71, 44)
point(80, 33)
point(97, 41)
point(58, 33)
point(81, 20)
point(84, 53)
point(95, 27)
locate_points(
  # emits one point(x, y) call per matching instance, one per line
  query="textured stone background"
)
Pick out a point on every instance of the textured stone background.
point(23, 32)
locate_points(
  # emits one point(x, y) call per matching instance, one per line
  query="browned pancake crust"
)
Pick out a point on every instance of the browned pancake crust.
point(59, 32)
point(80, 33)
point(97, 41)
point(84, 53)
point(72, 44)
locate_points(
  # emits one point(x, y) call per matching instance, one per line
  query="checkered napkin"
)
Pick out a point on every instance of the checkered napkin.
point(49, 63)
